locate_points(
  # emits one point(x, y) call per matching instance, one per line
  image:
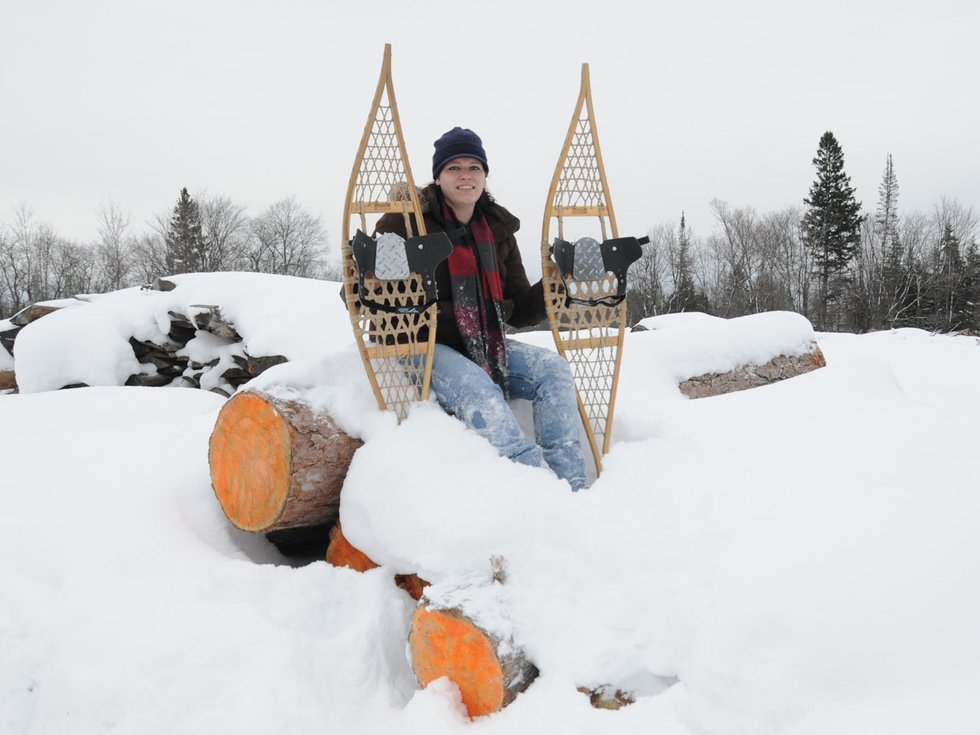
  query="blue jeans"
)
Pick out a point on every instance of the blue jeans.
point(541, 376)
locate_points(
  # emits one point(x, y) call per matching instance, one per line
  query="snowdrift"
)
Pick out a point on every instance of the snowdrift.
point(798, 558)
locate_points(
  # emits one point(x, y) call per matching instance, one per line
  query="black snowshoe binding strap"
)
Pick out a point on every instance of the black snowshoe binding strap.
point(393, 258)
point(585, 264)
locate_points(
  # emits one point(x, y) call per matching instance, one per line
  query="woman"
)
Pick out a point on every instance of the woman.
point(481, 287)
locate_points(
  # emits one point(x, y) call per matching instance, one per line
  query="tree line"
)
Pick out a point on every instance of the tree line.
point(203, 234)
point(844, 268)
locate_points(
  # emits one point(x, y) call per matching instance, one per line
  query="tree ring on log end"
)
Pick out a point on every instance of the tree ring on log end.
point(250, 454)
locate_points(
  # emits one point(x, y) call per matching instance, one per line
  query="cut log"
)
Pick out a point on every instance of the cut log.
point(209, 318)
point(277, 464)
point(608, 697)
point(160, 284)
point(8, 380)
point(752, 376)
point(31, 313)
point(342, 553)
point(489, 672)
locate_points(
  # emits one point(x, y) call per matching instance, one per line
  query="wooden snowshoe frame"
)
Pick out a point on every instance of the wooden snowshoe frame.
point(590, 337)
point(396, 347)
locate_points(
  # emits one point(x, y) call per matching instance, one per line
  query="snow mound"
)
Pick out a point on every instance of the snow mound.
point(794, 559)
point(276, 315)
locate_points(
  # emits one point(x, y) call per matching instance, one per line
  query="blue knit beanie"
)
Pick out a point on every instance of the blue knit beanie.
point(458, 143)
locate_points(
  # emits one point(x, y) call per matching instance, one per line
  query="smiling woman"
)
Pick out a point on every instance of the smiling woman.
point(482, 288)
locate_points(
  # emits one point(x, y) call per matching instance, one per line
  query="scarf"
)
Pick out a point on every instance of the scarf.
point(477, 294)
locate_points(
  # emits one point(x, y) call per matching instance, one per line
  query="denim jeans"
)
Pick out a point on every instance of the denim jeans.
point(541, 376)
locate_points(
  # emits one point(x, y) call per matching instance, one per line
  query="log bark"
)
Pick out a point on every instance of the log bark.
point(8, 380)
point(277, 464)
point(490, 672)
point(31, 313)
point(752, 376)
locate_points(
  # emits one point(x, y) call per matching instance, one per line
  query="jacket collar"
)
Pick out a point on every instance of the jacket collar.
point(502, 222)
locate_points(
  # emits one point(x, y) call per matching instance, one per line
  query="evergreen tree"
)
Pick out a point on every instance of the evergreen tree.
point(895, 278)
point(186, 249)
point(948, 302)
point(686, 296)
point(831, 225)
point(886, 216)
point(955, 284)
point(971, 287)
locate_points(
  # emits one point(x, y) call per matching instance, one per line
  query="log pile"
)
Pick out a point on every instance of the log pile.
point(752, 376)
point(8, 334)
point(161, 365)
point(164, 366)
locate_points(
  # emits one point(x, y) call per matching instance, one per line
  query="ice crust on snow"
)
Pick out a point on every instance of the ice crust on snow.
point(792, 559)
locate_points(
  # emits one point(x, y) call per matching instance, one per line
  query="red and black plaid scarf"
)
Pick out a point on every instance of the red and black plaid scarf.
point(477, 294)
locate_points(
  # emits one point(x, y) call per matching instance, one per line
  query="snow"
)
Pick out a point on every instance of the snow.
point(281, 315)
point(799, 558)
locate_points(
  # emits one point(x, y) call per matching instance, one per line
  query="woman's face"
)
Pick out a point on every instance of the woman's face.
point(462, 181)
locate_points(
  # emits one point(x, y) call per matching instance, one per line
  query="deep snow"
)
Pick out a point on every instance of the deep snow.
point(799, 558)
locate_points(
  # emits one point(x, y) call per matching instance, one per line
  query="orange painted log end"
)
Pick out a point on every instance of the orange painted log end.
point(444, 643)
point(341, 553)
point(250, 455)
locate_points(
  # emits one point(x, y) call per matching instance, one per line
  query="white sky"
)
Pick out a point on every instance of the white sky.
point(130, 101)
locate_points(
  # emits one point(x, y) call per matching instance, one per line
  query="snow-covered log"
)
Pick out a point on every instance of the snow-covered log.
point(342, 553)
point(277, 464)
point(32, 313)
point(449, 638)
point(752, 376)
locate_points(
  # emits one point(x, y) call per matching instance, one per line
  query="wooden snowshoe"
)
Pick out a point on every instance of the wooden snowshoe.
point(389, 284)
point(585, 279)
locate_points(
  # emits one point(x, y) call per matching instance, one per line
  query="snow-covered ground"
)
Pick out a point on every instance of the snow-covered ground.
point(800, 558)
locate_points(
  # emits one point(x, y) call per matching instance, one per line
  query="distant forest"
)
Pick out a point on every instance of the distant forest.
point(843, 265)
point(213, 234)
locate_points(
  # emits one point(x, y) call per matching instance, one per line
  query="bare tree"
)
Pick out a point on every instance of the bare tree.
point(150, 255)
point(37, 264)
point(7, 287)
point(961, 220)
point(114, 250)
point(225, 227)
point(739, 252)
point(287, 240)
point(646, 293)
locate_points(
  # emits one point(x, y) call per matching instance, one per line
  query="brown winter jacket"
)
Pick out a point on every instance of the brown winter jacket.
point(523, 304)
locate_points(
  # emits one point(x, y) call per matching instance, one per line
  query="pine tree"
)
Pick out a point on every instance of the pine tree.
point(831, 225)
point(686, 296)
point(185, 241)
point(952, 300)
point(886, 216)
point(894, 277)
point(971, 287)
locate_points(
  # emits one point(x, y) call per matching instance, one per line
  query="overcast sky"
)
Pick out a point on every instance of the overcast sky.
point(126, 101)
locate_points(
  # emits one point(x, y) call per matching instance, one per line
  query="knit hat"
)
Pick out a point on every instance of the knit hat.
point(458, 143)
